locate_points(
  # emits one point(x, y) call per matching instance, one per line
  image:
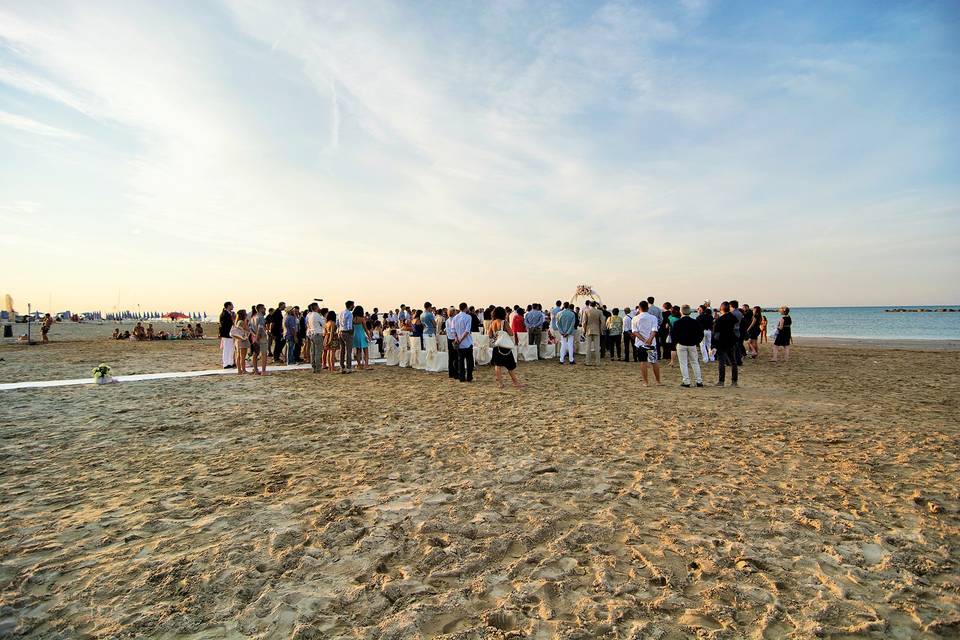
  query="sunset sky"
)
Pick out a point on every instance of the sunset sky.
point(176, 154)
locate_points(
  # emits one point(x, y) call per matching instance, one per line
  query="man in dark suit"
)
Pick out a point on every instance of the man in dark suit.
point(226, 342)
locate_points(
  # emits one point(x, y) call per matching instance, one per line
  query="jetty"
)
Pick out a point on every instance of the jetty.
point(922, 310)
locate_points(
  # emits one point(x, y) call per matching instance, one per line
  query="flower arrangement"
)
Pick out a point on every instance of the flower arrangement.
point(585, 290)
point(101, 374)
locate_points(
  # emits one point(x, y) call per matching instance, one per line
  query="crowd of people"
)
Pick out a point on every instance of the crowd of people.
point(648, 334)
point(141, 332)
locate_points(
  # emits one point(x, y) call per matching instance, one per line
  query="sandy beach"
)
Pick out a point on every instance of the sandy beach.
point(820, 499)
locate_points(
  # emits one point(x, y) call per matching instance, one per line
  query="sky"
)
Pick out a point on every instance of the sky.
point(177, 154)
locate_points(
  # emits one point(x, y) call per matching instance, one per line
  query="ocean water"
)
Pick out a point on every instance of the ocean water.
point(871, 322)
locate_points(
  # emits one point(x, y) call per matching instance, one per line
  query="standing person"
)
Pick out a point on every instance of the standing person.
point(517, 325)
point(782, 342)
point(628, 334)
point(705, 320)
point(663, 337)
point(276, 331)
point(463, 340)
point(429, 321)
point(745, 322)
point(753, 331)
point(605, 333)
point(417, 328)
point(453, 362)
point(615, 328)
point(258, 339)
point(291, 330)
point(738, 345)
point(502, 358)
point(557, 308)
point(361, 338)
point(657, 313)
point(645, 327)
point(725, 340)
point(303, 342)
point(687, 336)
point(226, 340)
point(315, 337)
point(331, 341)
point(763, 329)
point(593, 329)
point(567, 328)
point(345, 327)
point(672, 320)
point(241, 334)
point(533, 321)
point(45, 327)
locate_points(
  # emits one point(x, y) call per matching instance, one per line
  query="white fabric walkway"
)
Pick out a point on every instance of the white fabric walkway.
point(40, 384)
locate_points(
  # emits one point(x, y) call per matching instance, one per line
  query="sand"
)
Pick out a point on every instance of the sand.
point(819, 499)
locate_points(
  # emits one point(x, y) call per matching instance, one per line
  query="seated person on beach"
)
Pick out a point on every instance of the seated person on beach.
point(116, 334)
point(150, 334)
point(198, 334)
point(184, 334)
point(139, 333)
point(126, 336)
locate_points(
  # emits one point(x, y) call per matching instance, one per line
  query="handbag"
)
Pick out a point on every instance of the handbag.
point(504, 341)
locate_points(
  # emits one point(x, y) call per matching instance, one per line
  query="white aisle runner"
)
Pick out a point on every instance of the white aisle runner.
point(39, 384)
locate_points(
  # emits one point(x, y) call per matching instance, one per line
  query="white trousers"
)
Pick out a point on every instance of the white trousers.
point(226, 344)
point(685, 354)
point(705, 345)
point(566, 347)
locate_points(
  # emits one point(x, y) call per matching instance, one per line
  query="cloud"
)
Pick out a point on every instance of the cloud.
point(29, 125)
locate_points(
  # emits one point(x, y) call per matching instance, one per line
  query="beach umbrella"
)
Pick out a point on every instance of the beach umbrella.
point(175, 315)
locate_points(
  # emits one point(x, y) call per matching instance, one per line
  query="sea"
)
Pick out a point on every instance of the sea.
point(872, 322)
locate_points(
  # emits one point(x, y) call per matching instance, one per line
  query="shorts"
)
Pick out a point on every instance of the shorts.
point(255, 348)
point(650, 351)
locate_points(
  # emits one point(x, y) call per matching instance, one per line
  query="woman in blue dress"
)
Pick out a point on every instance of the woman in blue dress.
point(360, 333)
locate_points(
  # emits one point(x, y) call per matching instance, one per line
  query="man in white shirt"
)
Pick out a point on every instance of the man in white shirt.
point(462, 324)
point(315, 336)
point(345, 328)
point(644, 328)
point(627, 335)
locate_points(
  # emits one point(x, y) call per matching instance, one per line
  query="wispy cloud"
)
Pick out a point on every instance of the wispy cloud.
point(29, 125)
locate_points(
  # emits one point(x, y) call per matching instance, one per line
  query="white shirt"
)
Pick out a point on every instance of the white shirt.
point(645, 325)
point(627, 322)
point(314, 324)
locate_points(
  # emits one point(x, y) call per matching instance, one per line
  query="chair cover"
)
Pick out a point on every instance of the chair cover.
point(528, 353)
point(481, 349)
point(404, 356)
point(523, 338)
point(392, 351)
point(418, 357)
point(436, 360)
point(580, 343)
point(548, 350)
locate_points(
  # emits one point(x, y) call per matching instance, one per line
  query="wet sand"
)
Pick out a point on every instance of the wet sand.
point(819, 499)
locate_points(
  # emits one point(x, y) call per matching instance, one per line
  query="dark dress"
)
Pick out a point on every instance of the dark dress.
point(503, 357)
point(783, 332)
